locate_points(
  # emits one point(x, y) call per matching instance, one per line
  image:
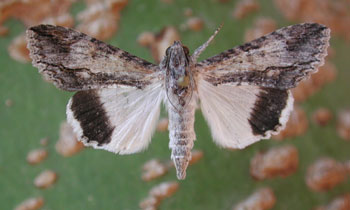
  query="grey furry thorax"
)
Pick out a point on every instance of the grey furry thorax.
point(179, 81)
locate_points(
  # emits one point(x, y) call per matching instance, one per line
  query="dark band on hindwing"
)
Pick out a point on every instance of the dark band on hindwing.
point(267, 110)
point(89, 112)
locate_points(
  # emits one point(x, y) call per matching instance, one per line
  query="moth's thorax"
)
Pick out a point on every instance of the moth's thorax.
point(179, 78)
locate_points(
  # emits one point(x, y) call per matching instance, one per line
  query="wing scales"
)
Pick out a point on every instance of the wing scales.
point(74, 61)
point(241, 115)
point(244, 91)
point(123, 120)
point(280, 59)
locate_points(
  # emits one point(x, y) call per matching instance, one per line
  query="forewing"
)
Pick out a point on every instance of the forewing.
point(118, 120)
point(74, 61)
point(241, 115)
point(278, 60)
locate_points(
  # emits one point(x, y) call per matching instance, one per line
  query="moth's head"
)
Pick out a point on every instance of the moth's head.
point(179, 82)
point(177, 62)
point(177, 56)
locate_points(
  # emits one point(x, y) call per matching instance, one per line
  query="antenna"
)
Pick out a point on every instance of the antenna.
point(201, 48)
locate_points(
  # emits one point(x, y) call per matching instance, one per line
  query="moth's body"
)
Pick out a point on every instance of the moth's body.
point(244, 92)
point(181, 104)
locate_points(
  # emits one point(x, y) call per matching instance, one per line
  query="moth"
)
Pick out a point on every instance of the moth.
point(244, 92)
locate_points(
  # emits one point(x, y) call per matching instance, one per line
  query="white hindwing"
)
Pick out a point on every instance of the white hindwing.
point(132, 112)
point(227, 110)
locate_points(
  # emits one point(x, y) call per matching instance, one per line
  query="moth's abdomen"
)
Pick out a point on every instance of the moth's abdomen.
point(182, 136)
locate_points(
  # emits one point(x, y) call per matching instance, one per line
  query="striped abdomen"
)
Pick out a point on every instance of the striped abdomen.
point(182, 136)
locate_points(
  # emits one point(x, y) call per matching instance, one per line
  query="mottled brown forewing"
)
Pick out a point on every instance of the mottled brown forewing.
point(74, 61)
point(278, 60)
